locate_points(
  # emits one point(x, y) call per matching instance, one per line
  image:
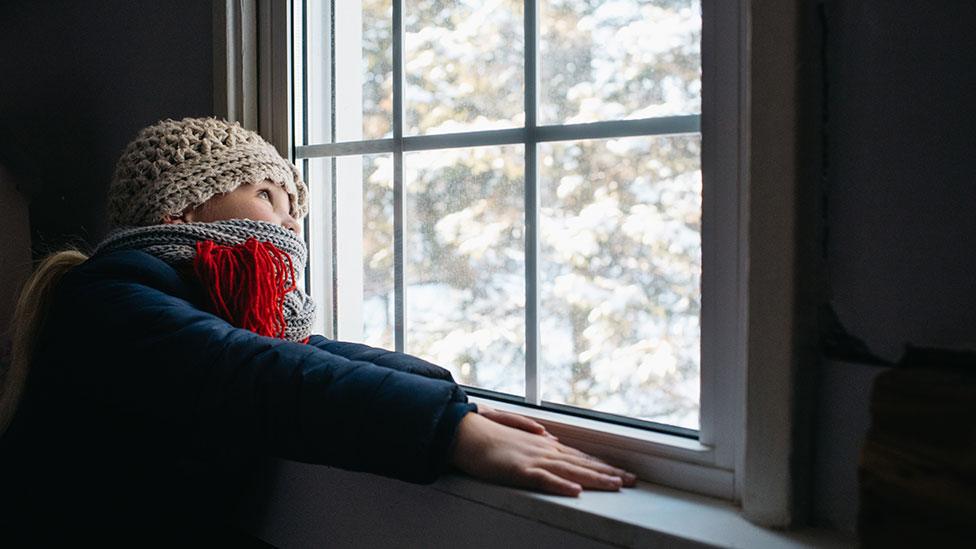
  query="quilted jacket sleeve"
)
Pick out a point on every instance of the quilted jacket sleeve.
point(381, 357)
point(131, 338)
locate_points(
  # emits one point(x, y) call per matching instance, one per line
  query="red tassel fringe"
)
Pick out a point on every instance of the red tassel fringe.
point(246, 283)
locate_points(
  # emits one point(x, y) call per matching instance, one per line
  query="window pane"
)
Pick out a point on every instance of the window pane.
point(364, 69)
point(620, 272)
point(378, 250)
point(318, 174)
point(619, 59)
point(465, 268)
point(364, 248)
point(463, 65)
point(318, 72)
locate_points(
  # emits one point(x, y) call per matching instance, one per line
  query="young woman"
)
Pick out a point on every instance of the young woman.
point(147, 379)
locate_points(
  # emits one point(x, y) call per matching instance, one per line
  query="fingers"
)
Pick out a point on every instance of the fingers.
point(573, 452)
point(484, 409)
point(595, 463)
point(514, 420)
point(586, 461)
point(587, 478)
point(629, 479)
point(519, 422)
point(550, 483)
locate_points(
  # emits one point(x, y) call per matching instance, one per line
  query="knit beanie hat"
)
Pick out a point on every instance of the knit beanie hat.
point(174, 165)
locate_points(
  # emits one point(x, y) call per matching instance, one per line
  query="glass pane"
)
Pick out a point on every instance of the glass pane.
point(620, 272)
point(378, 251)
point(318, 173)
point(318, 72)
point(364, 69)
point(378, 68)
point(463, 65)
point(620, 59)
point(364, 245)
point(465, 263)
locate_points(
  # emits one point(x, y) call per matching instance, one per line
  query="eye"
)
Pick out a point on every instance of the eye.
point(265, 194)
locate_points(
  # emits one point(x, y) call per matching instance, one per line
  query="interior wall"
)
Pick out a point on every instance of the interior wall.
point(900, 197)
point(901, 191)
point(77, 81)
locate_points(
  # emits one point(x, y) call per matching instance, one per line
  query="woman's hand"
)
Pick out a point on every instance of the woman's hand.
point(514, 420)
point(506, 455)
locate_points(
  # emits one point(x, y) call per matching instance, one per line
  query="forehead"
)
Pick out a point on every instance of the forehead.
point(266, 184)
point(281, 198)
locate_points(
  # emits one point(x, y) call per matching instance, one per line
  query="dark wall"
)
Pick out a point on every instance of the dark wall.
point(899, 188)
point(77, 80)
point(901, 174)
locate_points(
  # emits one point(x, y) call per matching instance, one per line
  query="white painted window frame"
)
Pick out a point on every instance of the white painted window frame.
point(743, 453)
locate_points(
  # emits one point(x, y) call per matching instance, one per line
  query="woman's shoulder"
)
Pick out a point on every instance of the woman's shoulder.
point(128, 267)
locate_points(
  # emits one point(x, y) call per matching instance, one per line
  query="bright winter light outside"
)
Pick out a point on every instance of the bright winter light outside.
point(620, 225)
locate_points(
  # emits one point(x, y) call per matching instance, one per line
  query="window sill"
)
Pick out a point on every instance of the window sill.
point(647, 515)
point(311, 505)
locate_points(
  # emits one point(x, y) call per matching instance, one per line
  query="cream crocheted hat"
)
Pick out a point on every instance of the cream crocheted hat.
point(174, 165)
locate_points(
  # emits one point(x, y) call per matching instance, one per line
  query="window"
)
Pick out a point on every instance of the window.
point(542, 196)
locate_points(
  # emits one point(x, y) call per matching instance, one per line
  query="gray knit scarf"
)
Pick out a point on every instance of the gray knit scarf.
point(176, 244)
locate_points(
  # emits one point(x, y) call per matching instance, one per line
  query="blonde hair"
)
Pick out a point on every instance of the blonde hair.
point(28, 320)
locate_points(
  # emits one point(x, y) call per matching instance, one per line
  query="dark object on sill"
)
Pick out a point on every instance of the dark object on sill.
point(839, 344)
point(917, 472)
point(930, 357)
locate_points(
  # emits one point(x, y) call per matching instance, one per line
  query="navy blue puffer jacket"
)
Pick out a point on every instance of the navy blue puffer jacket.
point(143, 410)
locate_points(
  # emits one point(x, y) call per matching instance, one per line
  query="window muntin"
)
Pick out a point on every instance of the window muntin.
point(347, 122)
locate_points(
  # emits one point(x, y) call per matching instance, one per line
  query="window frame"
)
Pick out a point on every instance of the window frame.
point(745, 442)
point(343, 146)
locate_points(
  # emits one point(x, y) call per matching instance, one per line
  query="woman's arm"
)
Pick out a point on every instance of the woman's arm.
point(127, 342)
point(415, 365)
point(381, 357)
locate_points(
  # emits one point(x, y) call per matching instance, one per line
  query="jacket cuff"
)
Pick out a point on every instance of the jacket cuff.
point(445, 437)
